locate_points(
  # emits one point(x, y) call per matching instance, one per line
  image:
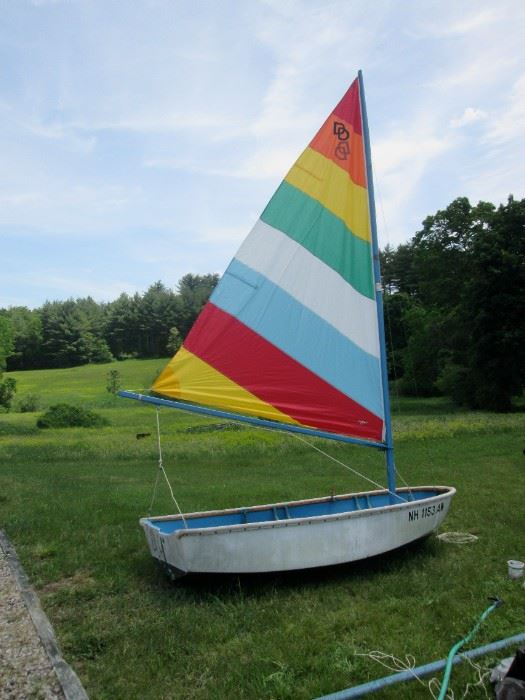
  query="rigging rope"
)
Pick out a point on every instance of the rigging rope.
point(161, 469)
point(388, 319)
point(295, 435)
point(354, 471)
point(154, 496)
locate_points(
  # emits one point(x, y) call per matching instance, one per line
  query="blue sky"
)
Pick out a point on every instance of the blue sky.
point(140, 140)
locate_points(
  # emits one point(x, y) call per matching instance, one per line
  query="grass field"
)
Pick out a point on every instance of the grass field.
point(70, 501)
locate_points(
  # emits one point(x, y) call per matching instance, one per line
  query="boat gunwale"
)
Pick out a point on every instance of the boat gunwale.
point(146, 522)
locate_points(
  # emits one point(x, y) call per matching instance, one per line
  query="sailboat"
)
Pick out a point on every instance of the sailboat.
point(292, 339)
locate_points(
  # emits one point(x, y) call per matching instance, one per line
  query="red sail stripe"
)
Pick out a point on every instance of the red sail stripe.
point(349, 108)
point(274, 377)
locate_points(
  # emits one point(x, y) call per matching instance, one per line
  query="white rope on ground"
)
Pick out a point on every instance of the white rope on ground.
point(392, 663)
point(161, 469)
point(482, 682)
point(457, 537)
point(342, 464)
point(395, 665)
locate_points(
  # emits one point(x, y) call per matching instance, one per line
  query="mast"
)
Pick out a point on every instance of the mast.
point(389, 443)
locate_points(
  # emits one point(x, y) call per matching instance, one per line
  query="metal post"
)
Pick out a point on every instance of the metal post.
point(389, 451)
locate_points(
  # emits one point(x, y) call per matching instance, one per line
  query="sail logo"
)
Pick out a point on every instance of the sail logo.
point(341, 131)
point(342, 150)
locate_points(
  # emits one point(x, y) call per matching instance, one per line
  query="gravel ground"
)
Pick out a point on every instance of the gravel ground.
point(26, 672)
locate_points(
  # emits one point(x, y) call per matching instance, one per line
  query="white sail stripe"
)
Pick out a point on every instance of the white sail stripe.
point(312, 283)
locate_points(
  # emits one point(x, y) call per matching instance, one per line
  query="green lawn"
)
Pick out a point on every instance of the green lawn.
point(70, 501)
point(86, 385)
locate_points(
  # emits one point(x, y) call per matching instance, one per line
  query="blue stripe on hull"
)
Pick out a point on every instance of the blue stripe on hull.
point(306, 510)
point(301, 334)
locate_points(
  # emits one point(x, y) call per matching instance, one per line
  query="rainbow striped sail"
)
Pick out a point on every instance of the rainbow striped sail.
point(290, 333)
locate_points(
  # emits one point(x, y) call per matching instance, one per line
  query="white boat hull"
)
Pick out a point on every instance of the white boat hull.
point(295, 543)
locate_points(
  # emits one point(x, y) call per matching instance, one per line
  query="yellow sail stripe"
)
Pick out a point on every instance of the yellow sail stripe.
point(189, 378)
point(321, 179)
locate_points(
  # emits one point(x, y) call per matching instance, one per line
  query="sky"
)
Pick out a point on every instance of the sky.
point(141, 139)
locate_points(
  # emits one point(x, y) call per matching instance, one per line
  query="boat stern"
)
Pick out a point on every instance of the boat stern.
point(168, 550)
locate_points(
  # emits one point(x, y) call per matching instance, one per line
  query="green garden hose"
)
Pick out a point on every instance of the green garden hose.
point(452, 653)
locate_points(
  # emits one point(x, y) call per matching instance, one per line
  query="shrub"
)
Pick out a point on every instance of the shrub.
point(29, 403)
point(174, 340)
point(455, 382)
point(113, 381)
point(63, 415)
point(100, 352)
point(7, 392)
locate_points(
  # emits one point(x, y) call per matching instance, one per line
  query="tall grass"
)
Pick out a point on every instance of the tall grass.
point(70, 500)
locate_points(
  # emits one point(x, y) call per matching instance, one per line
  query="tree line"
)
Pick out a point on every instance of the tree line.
point(455, 305)
point(81, 331)
point(454, 309)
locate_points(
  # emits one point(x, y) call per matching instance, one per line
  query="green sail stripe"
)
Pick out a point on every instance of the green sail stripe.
point(326, 236)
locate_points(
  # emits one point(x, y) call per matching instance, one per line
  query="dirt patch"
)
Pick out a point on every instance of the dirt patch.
point(80, 580)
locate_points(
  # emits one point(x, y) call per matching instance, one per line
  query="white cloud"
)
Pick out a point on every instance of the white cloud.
point(224, 234)
point(156, 122)
point(263, 164)
point(401, 165)
point(475, 73)
point(61, 132)
point(18, 199)
point(84, 283)
point(498, 170)
point(43, 3)
point(405, 152)
point(485, 17)
point(469, 116)
point(452, 20)
point(69, 210)
point(269, 164)
point(398, 154)
point(508, 123)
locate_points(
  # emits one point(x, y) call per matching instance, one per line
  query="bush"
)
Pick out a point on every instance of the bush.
point(113, 381)
point(174, 340)
point(28, 404)
point(455, 382)
point(63, 415)
point(7, 392)
point(100, 352)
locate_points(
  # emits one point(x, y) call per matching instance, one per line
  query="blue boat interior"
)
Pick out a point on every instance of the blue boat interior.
point(286, 512)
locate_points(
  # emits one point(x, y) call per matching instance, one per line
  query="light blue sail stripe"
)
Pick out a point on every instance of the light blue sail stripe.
point(279, 318)
point(313, 283)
